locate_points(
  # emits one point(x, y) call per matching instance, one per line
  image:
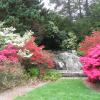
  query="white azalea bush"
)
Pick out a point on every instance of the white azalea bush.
point(16, 39)
point(4, 31)
point(8, 35)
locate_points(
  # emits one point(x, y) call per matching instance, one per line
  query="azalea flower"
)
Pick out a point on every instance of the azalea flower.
point(91, 63)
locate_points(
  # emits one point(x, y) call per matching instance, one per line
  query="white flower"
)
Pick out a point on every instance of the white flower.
point(25, 53)
point(15, 39)
point(2, 34)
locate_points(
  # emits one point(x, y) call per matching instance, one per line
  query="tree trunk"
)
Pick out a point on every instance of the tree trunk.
point(42, 71)
point(69, 9)
point(87, 7)
point(80, 9)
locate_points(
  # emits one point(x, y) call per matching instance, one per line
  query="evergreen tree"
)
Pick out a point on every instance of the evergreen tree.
point(21, 14)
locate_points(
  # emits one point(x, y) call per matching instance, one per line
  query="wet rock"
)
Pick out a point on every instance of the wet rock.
point(68, 61)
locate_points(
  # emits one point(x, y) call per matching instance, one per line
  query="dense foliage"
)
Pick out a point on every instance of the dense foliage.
point(84, 15)
point(21, 14)
point(49, 25)
point(70, 42)
point(21, 59)
point(11, 74)
point(91, 64)
point(30, 15)
point(24, 47)
point(52, 75)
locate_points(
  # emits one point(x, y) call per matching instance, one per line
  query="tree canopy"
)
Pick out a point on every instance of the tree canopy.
point(79, 17)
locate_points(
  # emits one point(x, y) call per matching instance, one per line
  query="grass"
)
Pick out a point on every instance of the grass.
point(68, 89)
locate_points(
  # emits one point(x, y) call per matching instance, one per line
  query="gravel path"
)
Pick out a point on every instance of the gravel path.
point(19, 91)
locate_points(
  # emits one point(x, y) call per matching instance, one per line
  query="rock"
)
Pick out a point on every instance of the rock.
point(68, 61)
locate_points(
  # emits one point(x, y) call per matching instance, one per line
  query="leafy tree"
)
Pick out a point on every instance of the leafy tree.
point(82, 27)
point(21, 14)
point(72, 8)
point(49, 27)
point(95, 15)
point(70, 42)
point(68, 7)
point(56, 28)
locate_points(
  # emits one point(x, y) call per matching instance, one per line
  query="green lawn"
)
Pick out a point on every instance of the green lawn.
point(68, 89)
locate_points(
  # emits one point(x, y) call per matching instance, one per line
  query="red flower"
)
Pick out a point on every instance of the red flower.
point(39, 56)
point(90, 42)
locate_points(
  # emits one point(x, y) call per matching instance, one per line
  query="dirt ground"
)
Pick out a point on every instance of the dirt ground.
point(19, 91)
point(93, 86)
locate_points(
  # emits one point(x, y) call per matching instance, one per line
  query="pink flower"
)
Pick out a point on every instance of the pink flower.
point(9, 53)
point(91, 63)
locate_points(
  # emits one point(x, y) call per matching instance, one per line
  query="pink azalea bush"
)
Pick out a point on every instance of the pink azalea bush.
point(91, 64)
point(9, 53)
point(11, 71)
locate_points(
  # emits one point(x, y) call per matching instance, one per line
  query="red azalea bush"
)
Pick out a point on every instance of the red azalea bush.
point(90, 42)
point(91, 64)
point(9, 53)
point(39, 56)
point(35, 55)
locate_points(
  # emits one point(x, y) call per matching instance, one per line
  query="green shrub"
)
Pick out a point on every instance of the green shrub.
point(51, 75)
point(34, 72)
point(80, 53)
point(9, 80)
point(11, 75)
point(70, 43)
